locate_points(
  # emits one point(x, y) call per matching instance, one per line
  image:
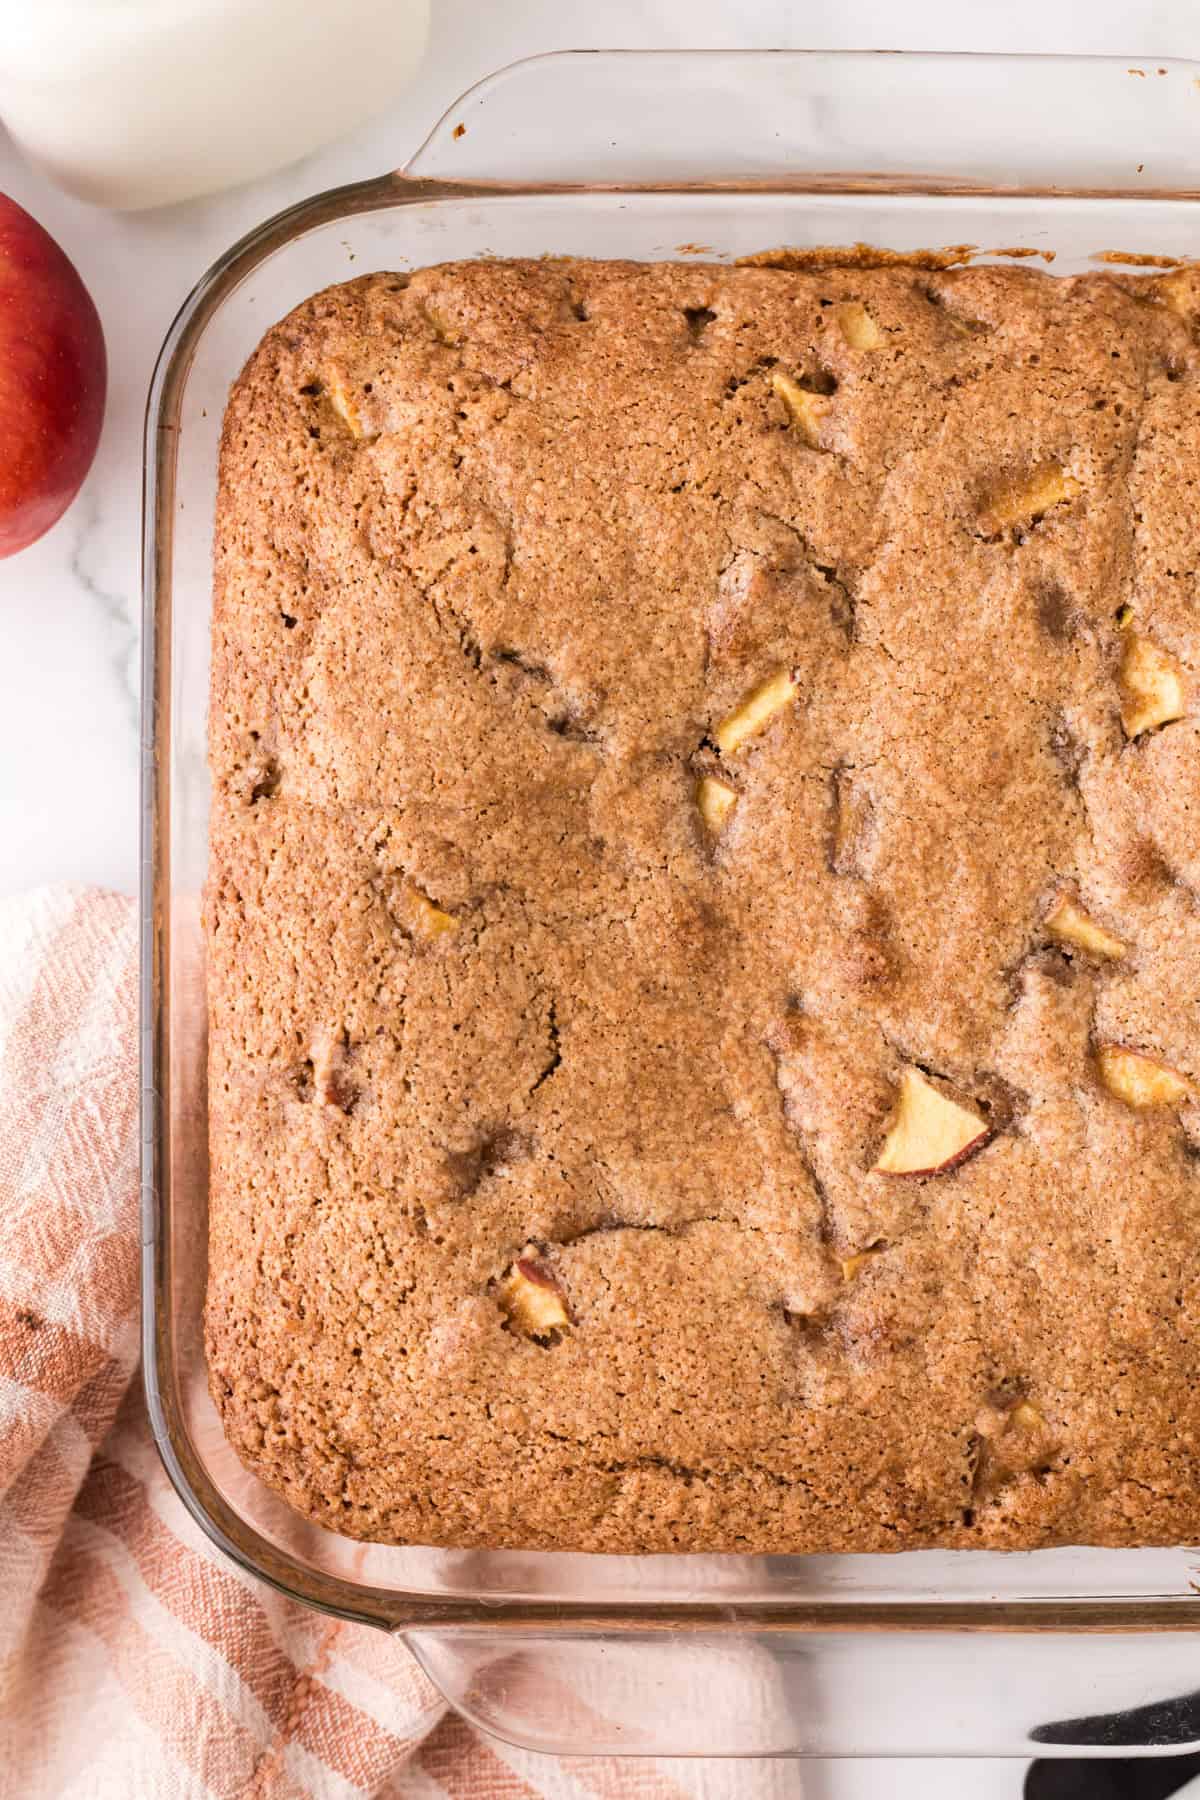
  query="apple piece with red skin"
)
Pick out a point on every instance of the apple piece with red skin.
point(929, 1134)
point(531, 1299)
point(53, 376)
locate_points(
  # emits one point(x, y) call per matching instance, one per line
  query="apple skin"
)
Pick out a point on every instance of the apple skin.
point(53, 378)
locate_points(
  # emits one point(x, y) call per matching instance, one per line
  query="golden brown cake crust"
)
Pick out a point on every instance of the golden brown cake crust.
point(501, 551)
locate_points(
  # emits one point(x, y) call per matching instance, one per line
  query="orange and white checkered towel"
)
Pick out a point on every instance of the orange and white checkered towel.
point(134, 1663)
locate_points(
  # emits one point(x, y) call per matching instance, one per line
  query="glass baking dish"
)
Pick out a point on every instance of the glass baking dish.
point(648, 155)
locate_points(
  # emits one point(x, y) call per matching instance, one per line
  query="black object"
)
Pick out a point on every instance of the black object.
point(1124, 1778)
point(1164, 1722)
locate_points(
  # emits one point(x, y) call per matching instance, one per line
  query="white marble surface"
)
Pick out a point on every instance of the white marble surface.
point(69, 606)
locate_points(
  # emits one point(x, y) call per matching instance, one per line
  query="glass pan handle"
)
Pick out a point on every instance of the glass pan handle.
point(826, 119)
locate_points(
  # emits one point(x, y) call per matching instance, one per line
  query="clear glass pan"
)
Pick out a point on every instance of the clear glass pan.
point(653, 155)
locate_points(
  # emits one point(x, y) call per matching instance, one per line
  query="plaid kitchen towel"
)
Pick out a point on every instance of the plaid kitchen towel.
point(134, 1663)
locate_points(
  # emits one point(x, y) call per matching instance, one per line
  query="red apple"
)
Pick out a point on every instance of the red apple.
point(53, 375)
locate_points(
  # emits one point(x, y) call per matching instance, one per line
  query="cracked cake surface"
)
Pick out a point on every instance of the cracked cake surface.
point(703, 919)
